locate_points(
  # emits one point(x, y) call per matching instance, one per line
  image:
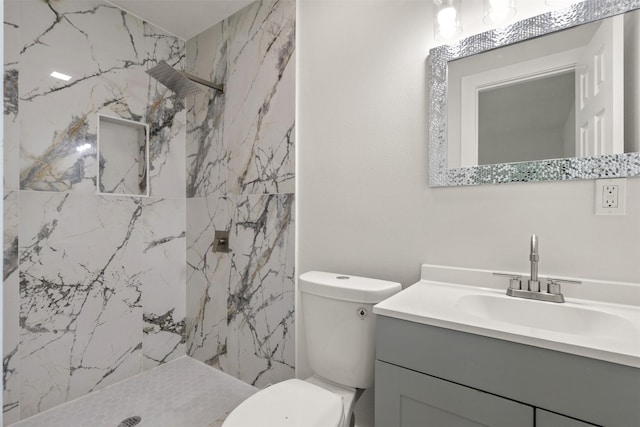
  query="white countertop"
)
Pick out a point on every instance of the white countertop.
point(600, 330)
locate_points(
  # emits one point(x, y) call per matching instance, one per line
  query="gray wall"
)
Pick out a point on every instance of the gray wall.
point(364, 206)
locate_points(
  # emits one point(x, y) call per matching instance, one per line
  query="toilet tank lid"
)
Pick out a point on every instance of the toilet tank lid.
point(346, 287)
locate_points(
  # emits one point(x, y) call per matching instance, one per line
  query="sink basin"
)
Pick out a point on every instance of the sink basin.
point(567, 319)
point(600, 330)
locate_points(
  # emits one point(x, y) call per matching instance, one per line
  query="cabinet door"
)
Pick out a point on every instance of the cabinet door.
point(406, 398)
point(549, 419)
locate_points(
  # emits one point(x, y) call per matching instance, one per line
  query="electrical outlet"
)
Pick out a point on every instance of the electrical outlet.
point(610, 196)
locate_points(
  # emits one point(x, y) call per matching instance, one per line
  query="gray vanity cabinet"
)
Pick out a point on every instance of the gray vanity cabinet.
point(549, 419)
point(411, 398)
point(429, 376)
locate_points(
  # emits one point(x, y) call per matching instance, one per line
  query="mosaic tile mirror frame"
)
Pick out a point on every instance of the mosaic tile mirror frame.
point(440, 174)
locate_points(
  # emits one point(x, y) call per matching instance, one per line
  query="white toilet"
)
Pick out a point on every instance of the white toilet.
point(340, 330)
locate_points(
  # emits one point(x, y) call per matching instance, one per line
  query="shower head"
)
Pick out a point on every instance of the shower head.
point(179, 82)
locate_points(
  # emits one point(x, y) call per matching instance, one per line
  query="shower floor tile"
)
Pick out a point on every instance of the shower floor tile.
point(181, 393)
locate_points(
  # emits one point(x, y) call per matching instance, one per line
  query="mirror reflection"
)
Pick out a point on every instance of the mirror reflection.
point(572, 93)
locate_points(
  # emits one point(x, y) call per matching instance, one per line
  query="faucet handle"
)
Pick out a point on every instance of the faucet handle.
point(515, 281)
point(553, 285)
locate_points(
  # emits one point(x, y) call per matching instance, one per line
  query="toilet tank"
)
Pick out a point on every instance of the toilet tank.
point(340, 324)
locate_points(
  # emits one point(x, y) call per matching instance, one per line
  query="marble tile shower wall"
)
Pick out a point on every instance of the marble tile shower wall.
point(94, 286)
point(240, 170)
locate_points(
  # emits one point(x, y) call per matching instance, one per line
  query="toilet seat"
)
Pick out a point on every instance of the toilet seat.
point(291, 403)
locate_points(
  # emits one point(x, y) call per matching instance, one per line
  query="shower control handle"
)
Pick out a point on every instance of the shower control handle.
point(221, 241)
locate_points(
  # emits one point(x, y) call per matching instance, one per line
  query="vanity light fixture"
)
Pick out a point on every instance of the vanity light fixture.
point(60, 76)
point(447, 23)
point(498, 11)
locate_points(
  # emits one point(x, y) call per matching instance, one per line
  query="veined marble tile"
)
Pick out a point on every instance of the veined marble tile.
point(11, 122)
point(106, 51)
point(80, 291)
point(11, 311)
point(208, 279)
point(164, 279)
point(260, 305)
point(260, 99)
point(123, 159)
point(166, 116)
point(206, 153)
point(63, 112)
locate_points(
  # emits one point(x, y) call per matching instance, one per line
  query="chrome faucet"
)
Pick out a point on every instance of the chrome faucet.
point(533, 291)
point(534, 283)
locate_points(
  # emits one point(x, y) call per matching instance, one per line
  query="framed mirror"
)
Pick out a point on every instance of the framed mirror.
point(554, 97)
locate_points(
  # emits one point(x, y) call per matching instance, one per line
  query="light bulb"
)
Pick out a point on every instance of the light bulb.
point(498, 11)
point(447, 16)
point(447, 19)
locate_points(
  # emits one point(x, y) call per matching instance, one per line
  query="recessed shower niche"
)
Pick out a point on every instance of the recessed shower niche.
point(123, 156)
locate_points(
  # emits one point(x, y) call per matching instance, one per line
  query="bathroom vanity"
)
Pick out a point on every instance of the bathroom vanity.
point(440, 363)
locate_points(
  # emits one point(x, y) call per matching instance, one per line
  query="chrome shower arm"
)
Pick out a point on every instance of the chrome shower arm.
point(203, 81)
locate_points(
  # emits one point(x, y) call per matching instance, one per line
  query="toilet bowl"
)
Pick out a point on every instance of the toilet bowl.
point(293, 402)
point(340, 339)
